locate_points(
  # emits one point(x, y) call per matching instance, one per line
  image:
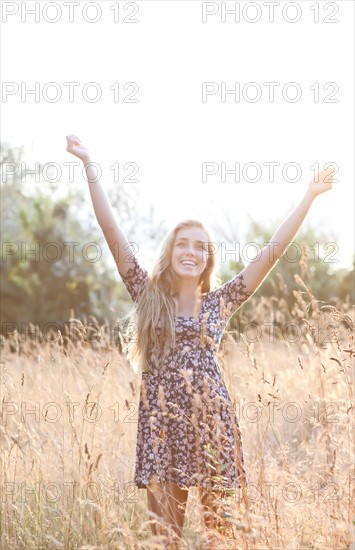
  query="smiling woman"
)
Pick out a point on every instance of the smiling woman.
point(183, 272)
point(188, 433)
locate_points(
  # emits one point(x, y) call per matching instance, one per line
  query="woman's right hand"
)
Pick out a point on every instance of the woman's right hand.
point(74, 146)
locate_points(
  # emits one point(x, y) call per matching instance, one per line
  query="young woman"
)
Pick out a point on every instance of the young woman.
point(188, 434)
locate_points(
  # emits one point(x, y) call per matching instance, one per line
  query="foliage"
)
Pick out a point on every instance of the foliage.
point(50, 273)
point(48, 267)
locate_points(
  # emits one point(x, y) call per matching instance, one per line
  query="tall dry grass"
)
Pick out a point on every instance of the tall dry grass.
point(295, 405)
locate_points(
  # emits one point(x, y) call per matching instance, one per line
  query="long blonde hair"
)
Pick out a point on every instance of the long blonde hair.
point(156, 305)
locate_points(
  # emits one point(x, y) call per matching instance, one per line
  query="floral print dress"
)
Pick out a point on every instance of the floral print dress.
point(188, 432)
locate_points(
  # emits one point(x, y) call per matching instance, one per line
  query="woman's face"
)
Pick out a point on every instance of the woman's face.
point(190, 252)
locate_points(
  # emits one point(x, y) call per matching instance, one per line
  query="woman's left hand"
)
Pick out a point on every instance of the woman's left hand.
point(322, 182)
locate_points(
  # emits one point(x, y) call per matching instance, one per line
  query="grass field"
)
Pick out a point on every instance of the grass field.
point(69, 421)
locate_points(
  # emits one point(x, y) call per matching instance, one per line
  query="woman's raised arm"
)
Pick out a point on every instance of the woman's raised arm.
point(255, 272)
point(115, 237)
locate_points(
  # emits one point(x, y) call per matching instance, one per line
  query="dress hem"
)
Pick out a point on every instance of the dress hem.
point(142, 485)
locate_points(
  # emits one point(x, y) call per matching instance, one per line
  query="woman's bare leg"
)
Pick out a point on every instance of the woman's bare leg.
point(209, 502)
point(168, 501)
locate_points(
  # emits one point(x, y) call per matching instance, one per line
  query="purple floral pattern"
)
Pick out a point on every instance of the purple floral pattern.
point(188, 432)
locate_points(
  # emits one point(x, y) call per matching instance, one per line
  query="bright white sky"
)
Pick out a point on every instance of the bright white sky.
point(170, 132)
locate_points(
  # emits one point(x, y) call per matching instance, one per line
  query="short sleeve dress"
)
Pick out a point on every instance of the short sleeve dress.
point(188, 432)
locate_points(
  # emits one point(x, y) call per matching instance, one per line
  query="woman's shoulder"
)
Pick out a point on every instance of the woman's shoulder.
point(135, 277)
